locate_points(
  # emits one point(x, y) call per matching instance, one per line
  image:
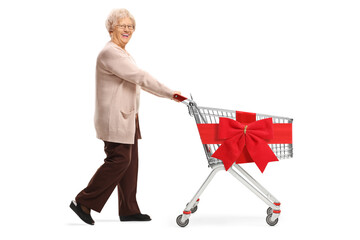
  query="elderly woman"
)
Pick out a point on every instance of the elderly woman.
point(118, 84)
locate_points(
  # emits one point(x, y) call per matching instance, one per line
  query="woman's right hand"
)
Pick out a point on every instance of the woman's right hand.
point(176, 93)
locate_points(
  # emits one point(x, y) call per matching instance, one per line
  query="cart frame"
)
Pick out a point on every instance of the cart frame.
point(204, 115)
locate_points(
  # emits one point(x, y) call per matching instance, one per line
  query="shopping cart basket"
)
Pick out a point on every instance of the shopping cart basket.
point(209, 122)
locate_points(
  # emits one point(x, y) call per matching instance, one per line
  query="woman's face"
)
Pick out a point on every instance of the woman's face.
point(122, 32)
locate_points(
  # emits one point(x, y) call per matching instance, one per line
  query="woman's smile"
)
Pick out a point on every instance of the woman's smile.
point(122, 32)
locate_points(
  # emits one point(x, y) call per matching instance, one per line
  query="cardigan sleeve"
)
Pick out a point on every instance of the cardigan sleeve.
point(124, 68)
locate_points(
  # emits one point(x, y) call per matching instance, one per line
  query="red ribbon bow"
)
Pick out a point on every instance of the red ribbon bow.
point(240, 138)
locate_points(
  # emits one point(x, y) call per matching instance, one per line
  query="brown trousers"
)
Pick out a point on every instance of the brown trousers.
point(120, 169)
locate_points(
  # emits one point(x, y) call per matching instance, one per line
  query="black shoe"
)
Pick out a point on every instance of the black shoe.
point(135, 217)
point(84, 216)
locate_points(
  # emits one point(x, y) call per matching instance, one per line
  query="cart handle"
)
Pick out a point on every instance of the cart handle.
point(179, 97)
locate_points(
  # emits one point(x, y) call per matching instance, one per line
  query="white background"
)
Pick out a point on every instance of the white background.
point(290, 58)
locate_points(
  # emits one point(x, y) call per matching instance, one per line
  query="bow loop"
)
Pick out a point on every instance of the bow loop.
point(262, 128)
point(229, 128)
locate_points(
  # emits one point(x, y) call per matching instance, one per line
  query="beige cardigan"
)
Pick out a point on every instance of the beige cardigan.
point(118, 83)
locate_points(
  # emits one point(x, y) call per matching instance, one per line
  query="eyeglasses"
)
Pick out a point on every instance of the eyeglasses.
point(123, 26)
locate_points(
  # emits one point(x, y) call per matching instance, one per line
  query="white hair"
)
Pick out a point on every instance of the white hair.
point(114, 17)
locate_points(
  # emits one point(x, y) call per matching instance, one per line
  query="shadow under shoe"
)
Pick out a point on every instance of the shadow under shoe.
point(135, 217)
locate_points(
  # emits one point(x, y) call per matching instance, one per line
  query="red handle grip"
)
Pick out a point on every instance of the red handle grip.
point(179, 97)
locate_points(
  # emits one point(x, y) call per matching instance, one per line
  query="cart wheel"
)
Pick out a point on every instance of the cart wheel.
point(269, 211)
point(271, 223)
point(194, 209)
point(180, 223)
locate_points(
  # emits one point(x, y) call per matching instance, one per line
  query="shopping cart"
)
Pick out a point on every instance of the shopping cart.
point(209, 119)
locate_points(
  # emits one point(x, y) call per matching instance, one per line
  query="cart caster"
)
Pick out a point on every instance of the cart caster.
point(271, 223)
point(180, 223)
point(194, 209)
point(269, 211)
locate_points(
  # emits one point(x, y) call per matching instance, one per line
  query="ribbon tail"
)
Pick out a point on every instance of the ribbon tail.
point(260, 152)
point(229, 151)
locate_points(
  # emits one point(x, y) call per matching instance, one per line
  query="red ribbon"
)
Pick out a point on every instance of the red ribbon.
point(245, 142)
